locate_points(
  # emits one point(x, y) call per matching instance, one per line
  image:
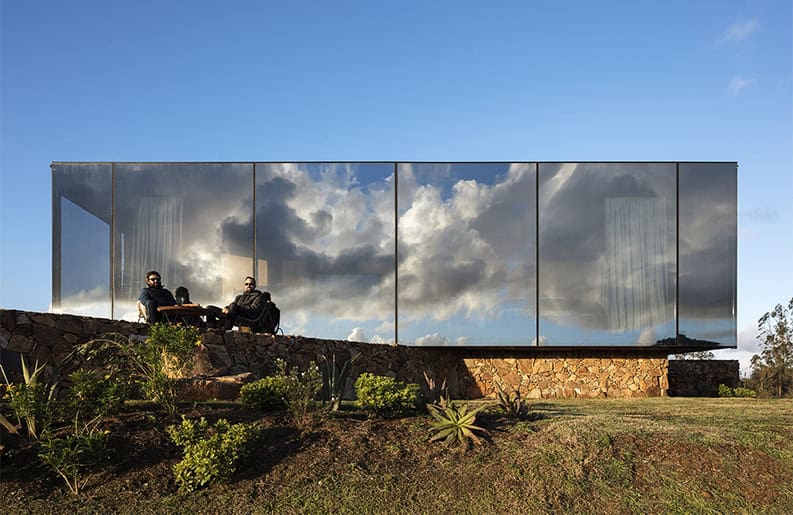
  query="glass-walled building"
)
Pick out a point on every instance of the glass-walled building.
point(513, 255)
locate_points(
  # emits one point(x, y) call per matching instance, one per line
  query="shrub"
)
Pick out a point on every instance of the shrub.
point(745, 392)
point(301, 390)
point(210, 454)
point(91, 396)
point(76, 454)
point(725, 391)
point(153, 364)
point(385, 396)
point(268, 394)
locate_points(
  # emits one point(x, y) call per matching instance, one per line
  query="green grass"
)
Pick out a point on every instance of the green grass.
point(678, 455)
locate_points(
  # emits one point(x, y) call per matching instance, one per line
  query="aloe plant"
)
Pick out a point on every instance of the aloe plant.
point(30, 400)
point(511, 402)
point(334, 379)
point(454, 423)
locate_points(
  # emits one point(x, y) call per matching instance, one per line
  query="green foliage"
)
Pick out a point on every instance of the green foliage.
point(334, 380)
point(745, 392)
point(92, 396)
point(267, 394)
point(210, 454)
point(511, 402)
point(726, 391)
point(385, 396)
point(772, 369)
point(76, 454)
point(31, 401)
point(301, 391)
point(153, 364)
point(454, 423)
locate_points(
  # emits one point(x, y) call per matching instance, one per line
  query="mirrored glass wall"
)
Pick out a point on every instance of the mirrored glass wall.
point(434, 254)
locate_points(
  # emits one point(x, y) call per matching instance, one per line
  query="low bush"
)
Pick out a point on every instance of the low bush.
point(210, 454)
point(725, 391)
point(92, 396)
point(267, 394)
point(75, 455)
point(385, 396)
point(745, 392)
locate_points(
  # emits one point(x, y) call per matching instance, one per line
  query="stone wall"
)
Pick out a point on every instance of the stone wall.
point(469, 373)
point(701, 377)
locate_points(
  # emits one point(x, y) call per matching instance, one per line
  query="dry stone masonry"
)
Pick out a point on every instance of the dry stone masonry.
point(228, 359)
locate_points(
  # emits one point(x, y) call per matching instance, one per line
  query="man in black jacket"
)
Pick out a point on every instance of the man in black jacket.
point(249, 305)
point(154, 296)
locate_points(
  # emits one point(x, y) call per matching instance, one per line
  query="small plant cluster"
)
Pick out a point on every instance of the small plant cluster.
point(726, 391)
point(76, 454)
point(300, 390)
point(266, 394)
point(385, 396)
point(511, 402)
point(154, 364)
point(334, 379)
point(210, 453)
point(454, 423)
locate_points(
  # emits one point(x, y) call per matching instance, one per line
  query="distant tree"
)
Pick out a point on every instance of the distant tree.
point(700, 354)
point(772, 369)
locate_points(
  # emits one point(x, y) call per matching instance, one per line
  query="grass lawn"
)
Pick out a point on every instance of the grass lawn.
point(680, 455)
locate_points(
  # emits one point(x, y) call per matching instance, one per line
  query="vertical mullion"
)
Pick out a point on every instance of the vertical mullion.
point(112, 240)
point(396, 258)
point(677, 253)
point(254, 272)
point(56, 242)
point(537, 254)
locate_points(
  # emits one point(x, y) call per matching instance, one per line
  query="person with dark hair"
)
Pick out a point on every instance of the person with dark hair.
point(153, 296)
point(248, 305)
point(182, 295)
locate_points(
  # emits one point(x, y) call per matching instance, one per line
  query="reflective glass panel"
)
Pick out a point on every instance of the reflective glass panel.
point(708, 218)
point(81, 268)
point(467, 254)
point(325, 247)
point(607, 254)
point(192, 222)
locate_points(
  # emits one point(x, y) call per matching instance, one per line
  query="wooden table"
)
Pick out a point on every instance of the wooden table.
point(184, 313)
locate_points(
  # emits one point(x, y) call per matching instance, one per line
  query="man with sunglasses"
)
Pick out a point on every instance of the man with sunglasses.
point(154, 296)
point(248, 305)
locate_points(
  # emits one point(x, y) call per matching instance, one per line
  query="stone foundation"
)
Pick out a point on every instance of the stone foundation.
point(470, 373)
point(701, 377)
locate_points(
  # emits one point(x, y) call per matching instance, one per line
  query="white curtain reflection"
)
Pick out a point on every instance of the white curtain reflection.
point(635, 290)
point(156, 238)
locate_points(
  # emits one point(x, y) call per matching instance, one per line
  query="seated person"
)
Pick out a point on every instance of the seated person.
point(247, 305)
point(183, 299)
point(154, 296)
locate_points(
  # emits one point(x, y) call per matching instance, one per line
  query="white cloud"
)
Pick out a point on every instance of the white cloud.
point(432, 340)
point(738, 83)
point(738, 32)
point(357, 335)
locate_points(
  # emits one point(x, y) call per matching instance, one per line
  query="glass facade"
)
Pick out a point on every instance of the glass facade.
point(562, 255)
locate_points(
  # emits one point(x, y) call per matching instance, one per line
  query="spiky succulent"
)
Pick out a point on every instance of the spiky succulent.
point(511, 402)
point(454, 423)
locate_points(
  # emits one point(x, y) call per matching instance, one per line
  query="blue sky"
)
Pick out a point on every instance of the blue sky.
point(423, 81)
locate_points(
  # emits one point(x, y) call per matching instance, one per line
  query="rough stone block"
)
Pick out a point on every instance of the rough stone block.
point(21, 344)
point(214, 388)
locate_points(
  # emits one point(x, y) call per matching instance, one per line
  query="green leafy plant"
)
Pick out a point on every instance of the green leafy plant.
point(302, 389)
point(385, 396)
point(75, 455)
point(210, 454)
point(334, 379)
point(511, 402)
point(726, 391)
point(266, 394)
point(745, 392)
point(154, 364)
point(92, 396)
point(31, 401)
point(454, 423)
